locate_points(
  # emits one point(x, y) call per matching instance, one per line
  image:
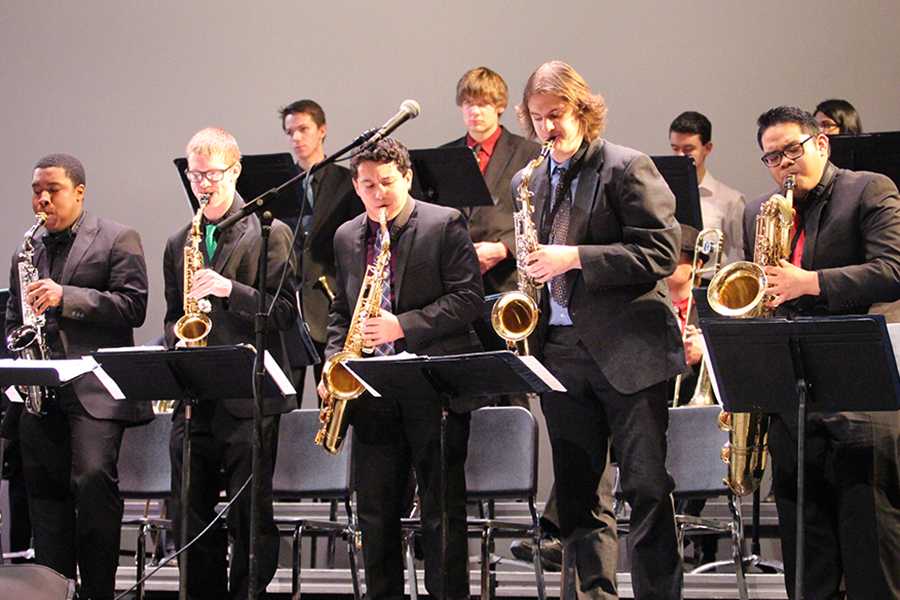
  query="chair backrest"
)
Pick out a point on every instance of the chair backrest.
point(694, 454)
point(503, 454)
point(304, 470)
point(145, 469)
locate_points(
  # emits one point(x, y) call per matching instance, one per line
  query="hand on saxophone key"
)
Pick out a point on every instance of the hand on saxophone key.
point(322, 390)
point(548, 261)
point(381, 329)
point(43, 294)
point(207, 282)
point(788, 281)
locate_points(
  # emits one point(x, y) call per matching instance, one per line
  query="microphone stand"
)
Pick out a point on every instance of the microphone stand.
point(260, 204)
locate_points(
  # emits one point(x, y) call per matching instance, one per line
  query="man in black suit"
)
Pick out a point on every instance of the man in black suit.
point(93, 292)
point(222, 431)
point(845, 256)
point(608, 240)
point(482, 96)
point(432, 293)
point(328, 200)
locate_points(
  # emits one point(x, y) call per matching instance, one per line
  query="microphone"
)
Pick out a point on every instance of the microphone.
point(409, 109)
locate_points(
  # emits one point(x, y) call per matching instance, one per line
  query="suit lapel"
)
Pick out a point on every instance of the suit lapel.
point(585, 194)
point(325, 205)
point(540, 186)
point(403, 249)
point(228, 241)
point(83, 240)
point(497, 166)
point(359, 265)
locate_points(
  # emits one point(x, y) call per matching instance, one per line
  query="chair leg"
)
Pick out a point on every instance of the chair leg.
point(486, 592)
point(295, 563)
point(536, 538)
point(411, 566)
point(332, 541)
point(351, 557)
point(141, 557)
point(737, 545)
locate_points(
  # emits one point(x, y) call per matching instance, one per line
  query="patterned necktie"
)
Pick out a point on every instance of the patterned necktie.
point(386, 348)
point(559, 231)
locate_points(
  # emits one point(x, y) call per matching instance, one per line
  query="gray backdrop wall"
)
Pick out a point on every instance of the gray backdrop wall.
point(123, 85)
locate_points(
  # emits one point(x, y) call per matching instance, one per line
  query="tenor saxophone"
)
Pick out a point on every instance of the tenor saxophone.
point(515, 314)
point(340, 385)
point(194, 325)
point(739, 290)
point(29, 340)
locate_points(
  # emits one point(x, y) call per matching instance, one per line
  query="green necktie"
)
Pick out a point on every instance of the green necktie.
point(210, 241)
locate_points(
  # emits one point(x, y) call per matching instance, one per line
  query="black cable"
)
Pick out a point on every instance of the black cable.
point(166, 560)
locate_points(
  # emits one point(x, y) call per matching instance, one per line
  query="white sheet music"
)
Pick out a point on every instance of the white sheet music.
point(66, 369)
point(278, 376)
point(541, 371)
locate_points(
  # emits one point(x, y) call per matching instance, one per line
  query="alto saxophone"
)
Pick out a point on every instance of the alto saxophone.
point(341, 386)
point(739, 290)
point(29, 340)
point(194, 325)
point(515, 314)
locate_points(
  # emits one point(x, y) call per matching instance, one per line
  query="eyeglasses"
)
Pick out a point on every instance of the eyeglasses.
point(212, 176)
point(792, 151)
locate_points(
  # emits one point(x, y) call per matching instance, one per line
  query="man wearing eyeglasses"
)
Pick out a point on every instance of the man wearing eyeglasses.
point(845, 256)
point(222, 430)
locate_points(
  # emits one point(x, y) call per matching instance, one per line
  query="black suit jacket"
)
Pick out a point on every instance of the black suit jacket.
point(237, 258)
point(437, 285)
point(852, 226)
point(623, 221)
point(495, 223)
point(336, 202)
point(104, 283)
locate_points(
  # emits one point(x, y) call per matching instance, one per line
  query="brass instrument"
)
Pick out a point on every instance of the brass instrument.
point(710, 242)
point(29, 340)
point(739, 290)
point(340, 384)
point(322, 284)
point(194, 325)
point(515, 314)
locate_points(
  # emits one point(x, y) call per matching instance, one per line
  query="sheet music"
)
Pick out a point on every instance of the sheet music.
point(709, 369)
point(66, 369)
point(894, 334)
point(541, 371)
point(278, 376)
point(108, 382)
point(13, 395)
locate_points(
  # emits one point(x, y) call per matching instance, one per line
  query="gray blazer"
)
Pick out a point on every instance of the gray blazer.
point(623, 221)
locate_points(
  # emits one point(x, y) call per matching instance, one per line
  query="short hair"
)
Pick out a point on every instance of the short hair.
point(843, 113)
point(305, 106)
point(482, 83)
point(385, 151)
point(694, 123)
point(214, 141)
point(72, 167)
point(786, 114)
point(560, 79)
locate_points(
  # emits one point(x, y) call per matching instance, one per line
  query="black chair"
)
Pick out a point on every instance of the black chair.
point(145, 474)
point(501, 465)
point(304, 471)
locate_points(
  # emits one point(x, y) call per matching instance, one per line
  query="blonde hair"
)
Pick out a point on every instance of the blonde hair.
point(484, 84)
point(557, 78)
point(214, 141)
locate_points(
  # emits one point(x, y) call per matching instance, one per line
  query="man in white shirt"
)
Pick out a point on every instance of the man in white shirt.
point(690, 134)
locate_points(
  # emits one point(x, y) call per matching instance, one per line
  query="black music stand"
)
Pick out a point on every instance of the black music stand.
point(783, 366)
point(449, 176)
point(190, 375)
point(450, 379)
point(680, 174)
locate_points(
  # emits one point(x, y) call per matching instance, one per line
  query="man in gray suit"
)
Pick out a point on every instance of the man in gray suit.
point(93, 292)
point(608, 240)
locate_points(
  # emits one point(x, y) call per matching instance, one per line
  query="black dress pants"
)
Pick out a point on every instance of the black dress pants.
point(69, 460)
point(221, 453)
point(582, 423)
point(852, 503)
point(389, 437)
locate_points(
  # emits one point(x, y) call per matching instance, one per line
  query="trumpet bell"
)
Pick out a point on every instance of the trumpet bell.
point(339, 382)
point(514, 316)
point(738, 290)
point(193, 329)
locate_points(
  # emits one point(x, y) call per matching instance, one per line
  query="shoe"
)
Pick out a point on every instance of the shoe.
point(551, 553)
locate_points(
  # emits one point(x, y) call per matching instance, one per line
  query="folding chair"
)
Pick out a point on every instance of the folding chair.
point(145, 474)
point(304, 471)
point(501, 465)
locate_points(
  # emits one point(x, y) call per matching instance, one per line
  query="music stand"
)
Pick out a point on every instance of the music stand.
point(189, 375)
point(878, 152)
point(448, 176)
point(782, 366)
point(681, 176)
point(454, 378)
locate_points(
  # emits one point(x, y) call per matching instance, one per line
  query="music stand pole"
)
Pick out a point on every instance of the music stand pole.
point(800, 373)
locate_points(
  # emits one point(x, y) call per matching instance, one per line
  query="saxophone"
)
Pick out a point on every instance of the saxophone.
point(739, 290)
point(29, 340)
point(194, 325)
point(515, 314)
point(341, 386)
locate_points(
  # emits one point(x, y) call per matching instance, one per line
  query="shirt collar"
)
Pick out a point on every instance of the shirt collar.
point(487, 145)
point(397, 223)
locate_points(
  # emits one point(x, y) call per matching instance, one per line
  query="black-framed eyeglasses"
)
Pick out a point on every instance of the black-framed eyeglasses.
point(792, 151)
point(212, 176)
